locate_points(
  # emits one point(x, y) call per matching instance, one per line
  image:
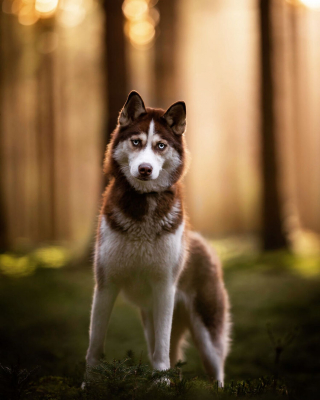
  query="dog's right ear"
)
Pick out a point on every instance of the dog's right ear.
point(133, 108)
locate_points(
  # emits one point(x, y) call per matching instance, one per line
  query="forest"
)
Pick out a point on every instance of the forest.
point(248, 72)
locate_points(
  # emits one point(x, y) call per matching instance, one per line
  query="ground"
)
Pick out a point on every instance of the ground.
point(275, 302)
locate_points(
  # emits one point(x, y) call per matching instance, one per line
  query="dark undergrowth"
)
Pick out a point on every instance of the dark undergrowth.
point(44, 318)
point(127, 380)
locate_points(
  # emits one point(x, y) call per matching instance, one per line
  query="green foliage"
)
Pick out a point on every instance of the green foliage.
point(54, 388)
point(14, 381)
point(20, 265)
point(44, 321)
point(127, 380)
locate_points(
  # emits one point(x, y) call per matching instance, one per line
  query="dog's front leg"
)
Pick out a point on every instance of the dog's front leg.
point(103, 301)
point(163, 303)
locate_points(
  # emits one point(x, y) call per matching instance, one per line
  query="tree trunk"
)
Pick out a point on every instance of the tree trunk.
point(3, 224)
point(273, 234)
point(116, 66)
point(165, 54)
point(46, 131)
point(116, 79)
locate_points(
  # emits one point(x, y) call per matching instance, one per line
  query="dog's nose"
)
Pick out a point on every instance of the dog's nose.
point(145, 170)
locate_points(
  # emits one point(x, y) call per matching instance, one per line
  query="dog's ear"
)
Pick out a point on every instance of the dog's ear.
point(176, 117)
point(133, 108)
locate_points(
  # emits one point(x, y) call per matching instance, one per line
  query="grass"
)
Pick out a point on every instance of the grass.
point(275, 352)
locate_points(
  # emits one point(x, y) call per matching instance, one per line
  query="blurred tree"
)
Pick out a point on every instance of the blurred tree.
point(3, 230)
point(116, 66)
point(273, 234)
point(46, 131)
point(165, 53)
point(116, 78)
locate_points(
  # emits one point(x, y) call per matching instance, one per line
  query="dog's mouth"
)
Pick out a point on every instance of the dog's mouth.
point(142, 178)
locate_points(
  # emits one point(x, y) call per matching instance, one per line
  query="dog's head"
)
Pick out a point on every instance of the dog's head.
point(147, 146)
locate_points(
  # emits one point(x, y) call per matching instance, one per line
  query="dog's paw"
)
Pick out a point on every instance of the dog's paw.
point(220, 384)
point(165, 381)
point(161, 381)
point(83, 385)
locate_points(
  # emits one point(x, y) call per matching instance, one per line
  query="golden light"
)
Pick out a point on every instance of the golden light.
point(72, 13)
point(28, 15)
point(294, 2)
point(69, 12)
point(314, 4)
point(134, 9)
point(142, 19)
point(16, 7)
point(155, 15)
point(46, 6)
point(141, 33)
point(152, 3)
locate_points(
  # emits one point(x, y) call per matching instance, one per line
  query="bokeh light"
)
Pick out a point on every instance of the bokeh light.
point(142, 19)
point(46, 257)
point(141, 33)
point(155, 15)
point(314, 4)
point(16, 7)
point(16, 266)
point(69, 13)
point(72, 12)
point(28, 15)
point(46, 6)
point(135, 9)
point(51, 257)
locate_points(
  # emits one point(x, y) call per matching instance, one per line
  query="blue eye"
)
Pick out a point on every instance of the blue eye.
point(136, 142)
point(161, 146)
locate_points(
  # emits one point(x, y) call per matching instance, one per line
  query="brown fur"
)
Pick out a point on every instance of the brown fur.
point(111, 168)
point(202, 273)
point(203, 276)
point(203, 307)
point(135, 205)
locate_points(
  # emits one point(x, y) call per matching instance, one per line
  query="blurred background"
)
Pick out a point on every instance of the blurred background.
point(253, 120)
point(249, 72)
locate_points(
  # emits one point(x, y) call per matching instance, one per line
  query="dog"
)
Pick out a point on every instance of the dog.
point(145, 248)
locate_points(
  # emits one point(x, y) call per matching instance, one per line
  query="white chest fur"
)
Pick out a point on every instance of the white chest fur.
point(135, 258)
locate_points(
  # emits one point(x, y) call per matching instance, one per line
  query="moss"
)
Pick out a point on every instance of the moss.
point(44, 321)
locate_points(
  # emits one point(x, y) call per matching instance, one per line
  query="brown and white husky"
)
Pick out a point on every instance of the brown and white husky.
point(145, 249)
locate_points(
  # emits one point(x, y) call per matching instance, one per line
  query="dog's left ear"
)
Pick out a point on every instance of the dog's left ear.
point(176, 117)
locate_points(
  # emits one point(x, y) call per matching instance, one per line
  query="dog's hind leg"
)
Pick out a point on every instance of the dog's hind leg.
point(212, 351)
point(148, 328)
point(208, 306)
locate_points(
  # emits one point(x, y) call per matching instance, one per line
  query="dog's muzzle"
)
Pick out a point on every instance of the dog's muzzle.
point(145, 171)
